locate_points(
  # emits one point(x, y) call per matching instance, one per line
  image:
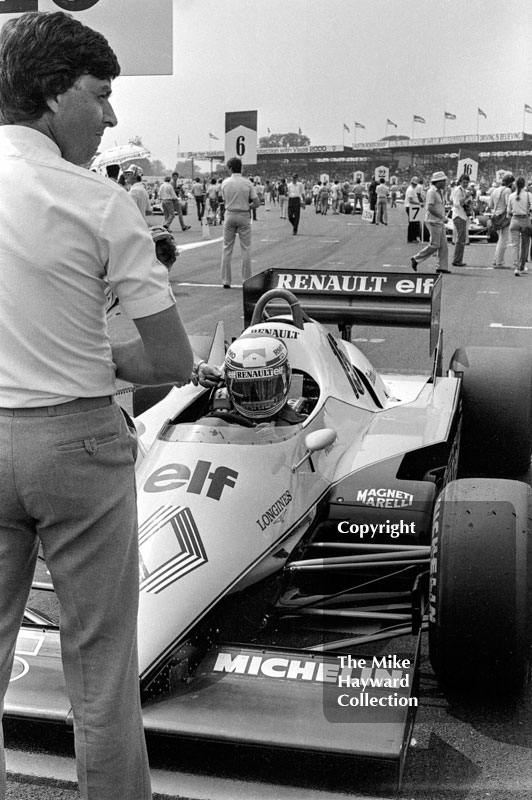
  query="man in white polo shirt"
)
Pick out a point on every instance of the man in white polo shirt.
point(66, 455)
point(240, 197)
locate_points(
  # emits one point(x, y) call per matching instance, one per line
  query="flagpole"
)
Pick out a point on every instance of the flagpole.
point(524, 116)
point(444, 123)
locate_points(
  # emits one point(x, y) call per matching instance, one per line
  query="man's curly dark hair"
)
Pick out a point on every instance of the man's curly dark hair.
point(43, 55)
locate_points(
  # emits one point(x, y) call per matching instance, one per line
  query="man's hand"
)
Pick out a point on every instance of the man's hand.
point(206, 375)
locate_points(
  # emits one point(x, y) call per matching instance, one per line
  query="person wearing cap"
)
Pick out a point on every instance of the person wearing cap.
point(165, 248)
point(296, 201)
point(435, 219)
point(413, 211)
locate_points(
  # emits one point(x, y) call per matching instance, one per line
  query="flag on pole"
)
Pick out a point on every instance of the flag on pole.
point(449, 116)
point(212, 136)
point(389, 122)
point(269, 131)
point(528, 109)
point(346, 128)
point(482, 114)
point(300, 131)
point(418, 119)
point(359, 125)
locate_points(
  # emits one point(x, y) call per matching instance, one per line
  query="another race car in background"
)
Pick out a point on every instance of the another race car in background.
point(479, 229)
point(278, 562)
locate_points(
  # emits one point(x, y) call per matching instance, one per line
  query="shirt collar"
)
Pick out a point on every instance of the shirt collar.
point(25, 136)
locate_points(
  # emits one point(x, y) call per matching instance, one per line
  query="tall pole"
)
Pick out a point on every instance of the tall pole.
point(444, 123)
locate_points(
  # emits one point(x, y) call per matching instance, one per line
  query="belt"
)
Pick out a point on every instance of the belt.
point(60, 409)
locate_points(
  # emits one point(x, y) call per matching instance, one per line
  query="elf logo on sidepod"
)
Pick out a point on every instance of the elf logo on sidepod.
point(176, 476)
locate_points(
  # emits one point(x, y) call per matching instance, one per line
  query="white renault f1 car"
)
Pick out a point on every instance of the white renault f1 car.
point(278, 563)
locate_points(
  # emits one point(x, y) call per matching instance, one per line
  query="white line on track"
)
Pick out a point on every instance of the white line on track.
point(194, 245)
point(513, 327)
point(328, 241)
point(373, 341)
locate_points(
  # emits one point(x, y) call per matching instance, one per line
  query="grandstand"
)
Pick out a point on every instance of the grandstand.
point(403, 156)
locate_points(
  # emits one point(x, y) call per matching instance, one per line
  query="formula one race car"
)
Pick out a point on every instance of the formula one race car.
point(479, 229)
point(278, 561)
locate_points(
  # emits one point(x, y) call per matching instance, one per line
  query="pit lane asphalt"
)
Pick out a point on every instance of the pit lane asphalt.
point(456, 752)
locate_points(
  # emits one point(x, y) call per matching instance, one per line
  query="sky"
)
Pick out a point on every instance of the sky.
point(321, 64)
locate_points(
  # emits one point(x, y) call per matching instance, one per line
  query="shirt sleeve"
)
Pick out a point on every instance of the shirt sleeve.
point(138, 279)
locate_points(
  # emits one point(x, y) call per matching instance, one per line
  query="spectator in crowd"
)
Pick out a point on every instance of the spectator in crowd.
point(372, 196)
point(461, 209)
point(113, 171)
point(296, 201)
point(198, 192)
point(57, 385)
point(335, 196)
point(240, 197)
point(315, 193)
point(167, 197)
point(282, 192)
point(221, 201)
point(519, 208)
point(500, 218)
point(393, 194)
point(344, 206)
point(139, 195)
point(212, 201)
point(324, 198)
point(382, 192)
point(178, 189)
point(413, 211)
point(358, 192)
point(435, 219)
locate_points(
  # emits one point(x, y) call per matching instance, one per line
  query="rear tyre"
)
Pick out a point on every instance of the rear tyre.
point(480, 599)
point(497, 410)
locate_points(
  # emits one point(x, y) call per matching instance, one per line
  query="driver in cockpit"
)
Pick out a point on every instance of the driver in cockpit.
point(256, 380)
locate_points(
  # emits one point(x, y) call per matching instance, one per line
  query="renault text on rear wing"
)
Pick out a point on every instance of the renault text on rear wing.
point(346, 298)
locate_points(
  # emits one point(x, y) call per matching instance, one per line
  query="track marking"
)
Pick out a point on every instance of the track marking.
point(372, 341)
point(488, 291)
point(194, 245)
point(512, 327)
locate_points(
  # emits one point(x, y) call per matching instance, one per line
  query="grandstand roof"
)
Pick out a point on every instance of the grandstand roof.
point(477, 143)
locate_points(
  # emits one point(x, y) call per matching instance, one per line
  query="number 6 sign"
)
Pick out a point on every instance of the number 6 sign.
point(241, 136)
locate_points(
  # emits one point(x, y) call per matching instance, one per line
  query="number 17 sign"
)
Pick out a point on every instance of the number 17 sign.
point(241, 136)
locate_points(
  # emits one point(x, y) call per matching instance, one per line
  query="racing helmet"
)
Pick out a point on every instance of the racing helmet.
point(257, 375)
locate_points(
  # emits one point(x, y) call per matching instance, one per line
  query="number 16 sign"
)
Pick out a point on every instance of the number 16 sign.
point(241, 136)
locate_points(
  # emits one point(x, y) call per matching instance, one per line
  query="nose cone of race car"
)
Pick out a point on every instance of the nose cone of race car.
point(206, 525)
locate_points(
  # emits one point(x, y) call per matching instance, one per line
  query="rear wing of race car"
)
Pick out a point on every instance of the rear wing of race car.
point(393, 299)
